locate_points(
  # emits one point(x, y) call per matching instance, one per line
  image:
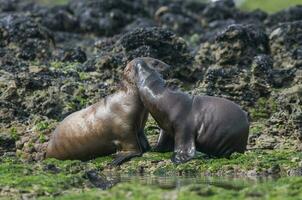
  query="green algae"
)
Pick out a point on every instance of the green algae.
point(283, 188)
point(64, 66)
point(29, 178)
point(263, 109)
point(268, 5)
point(14, 133)
point(52, 177)
point(151, 127)
point(52, 2)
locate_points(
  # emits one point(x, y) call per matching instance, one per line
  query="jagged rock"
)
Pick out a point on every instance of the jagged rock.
point(287, 15)
point(261, 71)
point(176, 18)
point(243, 86)
point(286, 45)
point(8, 5)
point(28, 39)
point(287, 121)
point(155, 42)
point(236, 45)
point(55, 60)
point(71, 55)
point(286, 48)
point(105, 17)
point(7, 143)
point(219, 10)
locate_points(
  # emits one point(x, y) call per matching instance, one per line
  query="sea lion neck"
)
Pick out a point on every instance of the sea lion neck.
point(128, 88)
point(152, 92)
point(151, 86)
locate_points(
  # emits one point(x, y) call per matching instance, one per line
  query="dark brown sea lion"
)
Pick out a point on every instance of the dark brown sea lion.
point(212, 125)
point(115, 124)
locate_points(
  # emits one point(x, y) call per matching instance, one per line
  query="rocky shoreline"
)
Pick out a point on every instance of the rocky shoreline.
point(59, 59)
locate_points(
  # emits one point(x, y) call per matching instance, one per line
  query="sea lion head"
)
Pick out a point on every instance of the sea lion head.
point(141, 68)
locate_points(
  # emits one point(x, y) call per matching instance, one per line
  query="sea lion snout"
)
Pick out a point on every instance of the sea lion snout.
point(144, 64)
point(147, 63)
point(157, 65)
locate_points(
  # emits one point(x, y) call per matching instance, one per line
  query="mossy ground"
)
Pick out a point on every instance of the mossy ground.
point(52, 178)
point(67, 179)
point(284, 188)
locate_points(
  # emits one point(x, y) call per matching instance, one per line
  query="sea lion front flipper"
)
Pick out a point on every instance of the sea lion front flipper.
point(184, 149)
point(123, 157)
point(143, 142)
point(164, 143)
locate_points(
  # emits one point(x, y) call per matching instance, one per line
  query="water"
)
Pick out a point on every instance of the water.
point(110, 179)
point(177, 182)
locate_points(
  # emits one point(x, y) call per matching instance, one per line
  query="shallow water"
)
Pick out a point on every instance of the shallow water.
point(176, 182)
point(197, 187)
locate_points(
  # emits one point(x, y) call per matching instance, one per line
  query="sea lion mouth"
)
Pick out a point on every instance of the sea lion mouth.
point(156, 64)
point(159, 66)
point(152, 63)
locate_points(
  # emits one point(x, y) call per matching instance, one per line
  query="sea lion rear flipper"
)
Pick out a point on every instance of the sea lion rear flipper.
point(184, 149)
point(123, 157)
point(164, 143)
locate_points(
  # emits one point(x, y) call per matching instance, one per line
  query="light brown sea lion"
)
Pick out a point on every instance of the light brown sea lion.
point(115, 124)
point(212, 125)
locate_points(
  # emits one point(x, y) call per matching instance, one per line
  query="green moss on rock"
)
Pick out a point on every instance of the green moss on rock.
point(263, 109)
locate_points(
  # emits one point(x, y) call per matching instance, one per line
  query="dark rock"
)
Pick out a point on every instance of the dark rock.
point(8, 5)
point(52, 168)
point(71, 55)
point(194, 6)
point(295, 172)
point(140, 23)
point(287, 121)
point(7, 143)
point(219, 10)
point(100, 181)
point(243, 86)
point(286, 45)
point(157, 43)
point(29, 39)
point(261, 75)
point(55, 60)
point(236, 45)
point(56, 18)
point(287, 15)
point(235, 65)
point(275, 169)
point(59, 18)
point(153, 42)
point(282, 77)
point(175, 18)
point(105, 17)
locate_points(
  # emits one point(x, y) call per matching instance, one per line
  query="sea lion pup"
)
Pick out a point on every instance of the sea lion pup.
point(212, 125)
point(115, 124)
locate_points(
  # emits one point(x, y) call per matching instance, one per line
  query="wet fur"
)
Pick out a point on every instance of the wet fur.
point(212, 125)
point(115, 124)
